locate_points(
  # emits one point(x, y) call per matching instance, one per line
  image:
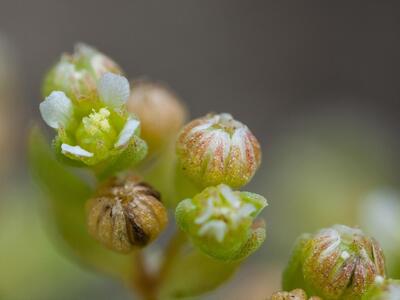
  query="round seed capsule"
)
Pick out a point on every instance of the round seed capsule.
point(126, 213)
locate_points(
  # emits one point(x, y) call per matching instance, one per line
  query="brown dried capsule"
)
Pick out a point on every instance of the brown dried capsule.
point(126, 213)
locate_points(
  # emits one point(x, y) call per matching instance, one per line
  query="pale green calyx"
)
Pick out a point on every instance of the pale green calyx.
point(99, 129)
point(335, 263)
point(219, 222)
point(388, 289)
point(77, 74)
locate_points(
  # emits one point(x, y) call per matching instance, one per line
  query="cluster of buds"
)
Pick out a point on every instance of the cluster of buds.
point(388, 289)
point(219, 153)
point(220, 222)
point(335, 263)
point(297, 294)
point(103, 125)
point(87, 107)
point(126, 213)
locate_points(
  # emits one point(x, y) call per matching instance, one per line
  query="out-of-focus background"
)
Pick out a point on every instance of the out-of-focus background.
point(316, 81)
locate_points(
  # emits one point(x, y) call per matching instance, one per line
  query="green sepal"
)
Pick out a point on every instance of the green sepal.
point(254, 242)
point(193, 274)
point(133, 153)
point(64, 196)
point(293, 274)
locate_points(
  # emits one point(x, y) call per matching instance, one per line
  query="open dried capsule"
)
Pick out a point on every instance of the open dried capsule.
point(126, 213)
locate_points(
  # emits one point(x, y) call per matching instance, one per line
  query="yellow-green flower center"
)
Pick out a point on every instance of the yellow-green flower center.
point(96, 134)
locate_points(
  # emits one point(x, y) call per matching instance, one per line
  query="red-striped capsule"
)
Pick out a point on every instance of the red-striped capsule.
point(218, 149)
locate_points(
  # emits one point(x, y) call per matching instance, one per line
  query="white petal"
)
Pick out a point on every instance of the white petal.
point(229, 196)
point(56, 109)
point(208, 212)
point(75, 150)
point(216, 228)
point(127, 132)
point(113, 89)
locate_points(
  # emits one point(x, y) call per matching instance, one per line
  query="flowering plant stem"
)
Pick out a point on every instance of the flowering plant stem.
point(148, 284)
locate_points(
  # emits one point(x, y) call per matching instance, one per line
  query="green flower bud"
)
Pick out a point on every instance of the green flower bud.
point(218, 149)
point(126, 213)
point(219, 222)
point(335, 263)
point(297, 294)
point(383, 290)
point(160, 111)
point(97, 130)
point(77, 74)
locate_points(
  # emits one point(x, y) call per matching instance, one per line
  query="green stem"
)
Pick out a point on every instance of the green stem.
point(143, 281)
point(146, 284)
point(171, 253)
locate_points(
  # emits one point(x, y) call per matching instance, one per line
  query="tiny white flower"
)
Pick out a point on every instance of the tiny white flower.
point(56, 109)
point(127, 132)
point(113, 90)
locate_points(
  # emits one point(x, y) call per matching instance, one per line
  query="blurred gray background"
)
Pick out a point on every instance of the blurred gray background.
point(316, 81)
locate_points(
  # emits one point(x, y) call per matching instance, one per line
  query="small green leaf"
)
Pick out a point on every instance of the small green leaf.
point(65, 196)
point(194, 273)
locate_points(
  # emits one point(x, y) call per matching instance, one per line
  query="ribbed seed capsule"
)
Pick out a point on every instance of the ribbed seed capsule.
point(125, 214)
point(217, 149)
point(297, 294)
point(335, 263)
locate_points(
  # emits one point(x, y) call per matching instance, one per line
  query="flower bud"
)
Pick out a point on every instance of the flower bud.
point(335, 263)
point(219, 222)
point(383, 290)
point(218, 149)
point(77, 74)
point(297, 294)
point(126, 213)
point(99, 130)
point(160, 111)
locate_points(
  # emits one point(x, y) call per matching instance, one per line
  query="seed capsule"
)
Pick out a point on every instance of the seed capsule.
point(335, 263)
point(297, 294)
point(125, 214)
point(160, 111)
point(218, 149)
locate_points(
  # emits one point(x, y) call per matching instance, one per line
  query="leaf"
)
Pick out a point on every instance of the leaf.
point(65, 195)
point(193, 273)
